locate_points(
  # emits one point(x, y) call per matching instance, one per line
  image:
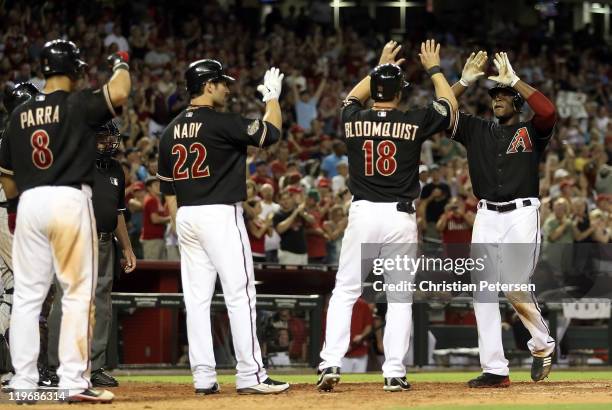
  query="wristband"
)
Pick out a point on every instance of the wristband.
point(434, 70)
point(464, 83)
point(121, 66)
point(513, 83)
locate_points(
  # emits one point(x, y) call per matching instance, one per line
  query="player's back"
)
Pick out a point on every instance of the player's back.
point(203, 154)
point(51, 141)
point(384, 149)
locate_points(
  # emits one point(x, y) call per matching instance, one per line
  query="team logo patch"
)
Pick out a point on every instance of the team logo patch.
point(440, 108)
point(253, 127)
point(114, 181)
point(381, 113)
point(521, 141)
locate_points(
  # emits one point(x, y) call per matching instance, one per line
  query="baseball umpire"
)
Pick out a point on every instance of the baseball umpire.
point(14, 95)
point(503, 160)
point(202, 168)
point(384, 149)
point(108, 205)
point(48, 156)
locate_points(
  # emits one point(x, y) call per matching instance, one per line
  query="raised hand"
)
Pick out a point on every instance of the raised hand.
point(474, 68)
point(272, 85)
point(389, 54)
point(430, 54)
point(506, 74)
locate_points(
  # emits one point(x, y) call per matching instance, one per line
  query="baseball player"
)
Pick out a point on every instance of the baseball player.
point(202, 167)
point(384, 148)
point(108, 201)
point(48, 157)
point(503, 159)
point(14, 95)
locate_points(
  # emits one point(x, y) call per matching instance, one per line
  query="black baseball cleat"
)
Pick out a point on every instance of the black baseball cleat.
point(489, 380)
point(211, 390)
point(100, 378)
point(396, 384)
point(268, 386)
point(47, 378)
point(540, 367)
point(91, 396)
point(328, 378)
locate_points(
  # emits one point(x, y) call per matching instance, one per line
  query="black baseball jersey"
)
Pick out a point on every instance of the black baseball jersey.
point(50, 139)
point(384, 148)
point(202, 155)
point(108, 194)
point(503, 159)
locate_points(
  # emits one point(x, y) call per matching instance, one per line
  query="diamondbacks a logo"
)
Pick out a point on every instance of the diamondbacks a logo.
point(520, 142)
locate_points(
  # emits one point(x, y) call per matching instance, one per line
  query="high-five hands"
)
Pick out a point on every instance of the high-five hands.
point(389, 54)
point(474, 68)
point(430, 54)
point(506, 74)
point(272, 85)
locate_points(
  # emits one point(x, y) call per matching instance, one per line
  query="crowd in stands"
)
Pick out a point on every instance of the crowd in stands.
point(297, 197)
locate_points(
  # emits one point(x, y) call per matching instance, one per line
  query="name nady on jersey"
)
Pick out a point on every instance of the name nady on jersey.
point(39, 116)
point(187, 130)
point(368, 129)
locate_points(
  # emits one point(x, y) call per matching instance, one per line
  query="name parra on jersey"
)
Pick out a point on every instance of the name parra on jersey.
point(39, 116)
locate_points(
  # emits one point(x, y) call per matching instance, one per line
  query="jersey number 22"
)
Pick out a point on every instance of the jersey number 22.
point(198, 170)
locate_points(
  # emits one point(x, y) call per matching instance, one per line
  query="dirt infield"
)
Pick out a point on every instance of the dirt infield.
point(135, 395)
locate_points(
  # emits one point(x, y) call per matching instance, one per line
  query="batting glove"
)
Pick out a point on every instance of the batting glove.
point(506, 74)
point(473, 68)
point(272, 85)
point(119, 60)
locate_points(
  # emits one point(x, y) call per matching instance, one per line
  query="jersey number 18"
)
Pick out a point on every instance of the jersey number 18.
point(385, 162)
point(198, 170)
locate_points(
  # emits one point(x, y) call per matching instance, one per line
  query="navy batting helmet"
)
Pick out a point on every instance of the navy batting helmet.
point(202, 71)
point(517, 99)
point(386, 81)
point(107, 139)
point(17, 94)
point(61, 57)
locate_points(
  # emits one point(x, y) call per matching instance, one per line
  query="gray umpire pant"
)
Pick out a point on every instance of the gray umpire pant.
point(103, 311)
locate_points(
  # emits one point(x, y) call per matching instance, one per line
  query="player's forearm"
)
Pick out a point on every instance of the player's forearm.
point(172, 207)
point(458, 89)
point(361, 91)
point(273, 114)
point(119, 87)
point(122, 234)
point(9, 186)
point(443, 90)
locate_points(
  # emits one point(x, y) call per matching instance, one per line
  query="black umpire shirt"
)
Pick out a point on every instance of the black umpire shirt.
point(503, 160)
point(50, 139)
point(384, 148)
point(202, 155)
point(108, 194)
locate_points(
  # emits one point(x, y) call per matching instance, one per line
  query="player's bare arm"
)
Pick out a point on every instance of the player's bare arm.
point(9, 186)
point(389, 55)
point(172, 207)
point(430, 59)
point(120, 83)
point(472, 71)
point(544, 111)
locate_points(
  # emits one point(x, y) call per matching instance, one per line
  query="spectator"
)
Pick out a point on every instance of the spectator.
point(316, 237)
point(135, 196)
point(258, 229)
point(269, 207)
point(335, 227)
point(339, 181)
point(558, 232)
point(290, 223)
point(434, 197)
point(306, 104)
point(116, 37)
point(155, 218)
point(330, 162)
point(356, 358)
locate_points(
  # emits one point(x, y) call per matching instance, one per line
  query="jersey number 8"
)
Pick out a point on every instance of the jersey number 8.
point(385, 163)
point(42, 157)
point(197, 171)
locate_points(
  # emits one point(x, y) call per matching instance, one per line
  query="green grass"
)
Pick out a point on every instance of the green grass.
point(448, 377)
